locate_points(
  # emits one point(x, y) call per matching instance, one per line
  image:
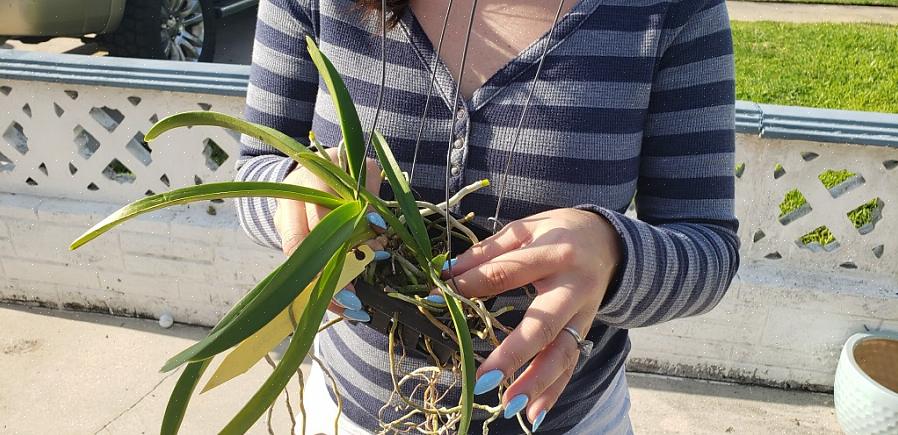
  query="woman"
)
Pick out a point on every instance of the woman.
point(633, 98)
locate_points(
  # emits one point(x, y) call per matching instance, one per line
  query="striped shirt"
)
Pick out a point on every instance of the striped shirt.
point(636, 98)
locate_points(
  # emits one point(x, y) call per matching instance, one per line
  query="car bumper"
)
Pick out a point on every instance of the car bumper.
point(59, 17)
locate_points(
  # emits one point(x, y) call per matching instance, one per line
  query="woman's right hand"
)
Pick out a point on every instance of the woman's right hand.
point(294, 219)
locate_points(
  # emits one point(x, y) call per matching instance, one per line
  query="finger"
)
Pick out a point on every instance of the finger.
point(314, 214)
point(347, 304)
point(291, 224)
point(507, 239)
point(558, 357)
point(510, 270)
point(549, 312)
point(556, 362)
point(544, 403)
point(373, 177)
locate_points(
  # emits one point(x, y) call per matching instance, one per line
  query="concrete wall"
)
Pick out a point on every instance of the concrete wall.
point(783, 322)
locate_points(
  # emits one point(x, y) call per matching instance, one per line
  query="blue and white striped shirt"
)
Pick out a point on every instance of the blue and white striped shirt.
point(636, 97)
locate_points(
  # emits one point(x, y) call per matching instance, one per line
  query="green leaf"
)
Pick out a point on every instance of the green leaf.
point(439, 260)
point(287, 283)
point(403, 193)
point(187, 382)
point(466, 351)
point(180, 396)
point(328, 172)
point(350, 125)
point(306, 329)
point(203, 192)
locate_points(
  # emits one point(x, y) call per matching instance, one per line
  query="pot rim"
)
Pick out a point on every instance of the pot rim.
point(857, 339)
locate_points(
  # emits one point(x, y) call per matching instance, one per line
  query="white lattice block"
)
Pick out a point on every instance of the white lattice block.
point(50, 242)
point(168, 266)
point(6, 247)
point(52, 273)
point(164, 246)
point(95, 149)
point(254, 263)
point(772, 169)
point(74, 212)
point(18, 206)
point(645, 340)
point(36, 292)
point(821, 335)
point(132, 283)
point(853, 294)
point(196, 224)
point(217, 294)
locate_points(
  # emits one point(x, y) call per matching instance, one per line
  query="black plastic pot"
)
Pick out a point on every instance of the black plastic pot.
point(413, 327)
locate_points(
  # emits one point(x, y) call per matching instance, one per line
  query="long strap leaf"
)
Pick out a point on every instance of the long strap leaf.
point(180, 396)
point(190, 377)
point(350, 125)
point(204, 192)
point(294, 275)
point(403, 193)
point(466, 350)
point(303, 335)
point(329, 173)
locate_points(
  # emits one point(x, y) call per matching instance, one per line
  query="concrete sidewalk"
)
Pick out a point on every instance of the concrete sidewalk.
point(79, 373)
point(811, 13)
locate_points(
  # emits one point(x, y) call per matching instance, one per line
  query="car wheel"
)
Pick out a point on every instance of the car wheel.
point(182, 30)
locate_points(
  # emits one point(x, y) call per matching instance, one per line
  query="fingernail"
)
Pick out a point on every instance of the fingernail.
point(348, 300)
point(357, 315)
point(515, 405)
point(449, 263)
point(381, 255)
point(436, 299)
point(488, 381)
point(539, 420)
point(376, 219)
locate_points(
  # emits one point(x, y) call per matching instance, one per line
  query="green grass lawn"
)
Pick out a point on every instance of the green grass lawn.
point(838, 66)
point(838, 2)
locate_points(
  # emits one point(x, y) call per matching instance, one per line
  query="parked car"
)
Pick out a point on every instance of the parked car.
point(154, 29)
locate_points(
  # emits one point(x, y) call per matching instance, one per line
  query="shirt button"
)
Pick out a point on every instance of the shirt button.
point(460, 114)
point(455, 170)
point(458, 144)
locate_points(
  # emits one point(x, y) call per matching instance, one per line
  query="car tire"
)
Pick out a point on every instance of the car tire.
point(156, 29)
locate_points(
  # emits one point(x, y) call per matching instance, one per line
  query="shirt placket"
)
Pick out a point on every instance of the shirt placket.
point(458, 149)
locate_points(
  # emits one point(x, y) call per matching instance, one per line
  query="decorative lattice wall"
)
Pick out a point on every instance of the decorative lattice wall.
point(820, 206)
point(86, 142)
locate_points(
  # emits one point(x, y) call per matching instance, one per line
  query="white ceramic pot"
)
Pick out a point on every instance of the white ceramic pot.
point(866, 385)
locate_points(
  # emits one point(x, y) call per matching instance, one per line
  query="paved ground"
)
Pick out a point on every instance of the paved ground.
point(77, 373)
point(807, 13)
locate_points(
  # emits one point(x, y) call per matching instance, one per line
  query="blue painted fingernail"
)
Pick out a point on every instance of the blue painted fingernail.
point(515, 405)
point(539, 420)
point(488, 381)
point(357, 315)
point(381, 255)
point(449, 263)
point(436, 299)
point(377, 220)
point(348, 300)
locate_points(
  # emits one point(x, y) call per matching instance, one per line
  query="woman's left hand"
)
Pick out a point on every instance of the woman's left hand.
point(569, 256)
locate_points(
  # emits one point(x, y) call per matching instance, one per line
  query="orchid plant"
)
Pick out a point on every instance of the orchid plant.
point(304, 284)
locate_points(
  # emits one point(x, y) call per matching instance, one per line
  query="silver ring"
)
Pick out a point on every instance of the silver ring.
point(581, 343)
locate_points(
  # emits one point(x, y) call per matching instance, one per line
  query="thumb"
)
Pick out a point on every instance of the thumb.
point(292, 224)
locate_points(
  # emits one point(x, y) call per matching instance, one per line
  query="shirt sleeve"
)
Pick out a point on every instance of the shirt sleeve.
point(283, 84)
point(680, 256)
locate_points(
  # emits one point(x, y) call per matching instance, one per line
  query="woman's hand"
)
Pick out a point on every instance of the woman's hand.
point(294, 219)
point(570, 257)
